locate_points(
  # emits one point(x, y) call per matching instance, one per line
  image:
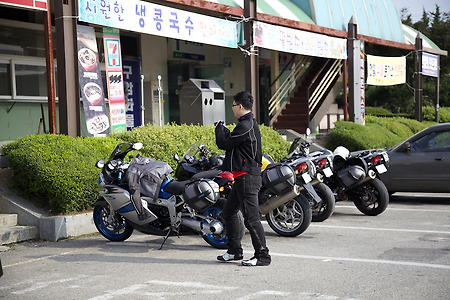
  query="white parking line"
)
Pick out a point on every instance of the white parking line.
point(362, 260)
point(381, 229)
point(199, 288)
point(292, 255)
point(419, 209)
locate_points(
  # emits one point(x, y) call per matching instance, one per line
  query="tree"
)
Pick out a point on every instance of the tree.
point(400, 98)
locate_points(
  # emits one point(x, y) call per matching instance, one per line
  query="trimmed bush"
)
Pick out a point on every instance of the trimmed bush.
point(378, 132)
point(58, 173)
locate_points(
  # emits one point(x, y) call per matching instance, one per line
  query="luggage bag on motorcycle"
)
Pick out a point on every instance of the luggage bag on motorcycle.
point(350, 176)
point(278, 178)
point(201, 194)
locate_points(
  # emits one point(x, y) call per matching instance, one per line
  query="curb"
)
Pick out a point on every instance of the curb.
point(48, 228)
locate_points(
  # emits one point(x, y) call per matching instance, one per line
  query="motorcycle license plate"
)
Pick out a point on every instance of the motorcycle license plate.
point(327, 172)
point(306, 177)
point(381, 169)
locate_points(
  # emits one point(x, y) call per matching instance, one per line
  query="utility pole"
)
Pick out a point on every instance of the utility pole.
point(251, 60)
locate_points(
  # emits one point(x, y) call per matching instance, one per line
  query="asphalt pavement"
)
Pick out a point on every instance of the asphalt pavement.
point(404, 253)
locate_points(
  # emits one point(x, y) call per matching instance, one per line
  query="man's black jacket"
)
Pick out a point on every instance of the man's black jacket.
point(242, 145)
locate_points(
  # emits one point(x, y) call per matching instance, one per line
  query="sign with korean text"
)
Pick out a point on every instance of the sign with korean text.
point(131, 81)
point(28, 4)
point(386, 70)
point(91, 85)
point(298, 41)
point(150, 18)
point(114, 77)
point(430, 64)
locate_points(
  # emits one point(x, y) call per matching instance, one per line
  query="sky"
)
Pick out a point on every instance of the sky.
point(415, 7)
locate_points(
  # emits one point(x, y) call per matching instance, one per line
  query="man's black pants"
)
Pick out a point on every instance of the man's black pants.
point(244, 197)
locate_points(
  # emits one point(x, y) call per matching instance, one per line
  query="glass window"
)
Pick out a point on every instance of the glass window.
point(22, 41)
point(30, 80)
point(5, 79)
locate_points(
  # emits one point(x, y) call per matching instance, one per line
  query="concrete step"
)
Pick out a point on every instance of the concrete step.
point(10, 232)
point(8, 220)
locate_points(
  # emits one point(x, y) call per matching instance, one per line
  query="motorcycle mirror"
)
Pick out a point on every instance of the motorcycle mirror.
point(176, 157)
point(308, 131)
point(137, 146)
point(100, 164)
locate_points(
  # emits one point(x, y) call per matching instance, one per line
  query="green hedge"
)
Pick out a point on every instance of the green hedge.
point(378, 132)
point(58, 172)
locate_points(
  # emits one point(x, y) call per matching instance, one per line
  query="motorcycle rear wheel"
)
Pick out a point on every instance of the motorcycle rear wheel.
point(220, 241)
point(292, 218)
point(117, 229)
point(371, 198)
point(324, 209)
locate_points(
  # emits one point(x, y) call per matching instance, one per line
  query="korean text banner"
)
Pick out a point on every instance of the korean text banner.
point(145, 17)
point(298, 41)
point(114, 79)
point(386, 70)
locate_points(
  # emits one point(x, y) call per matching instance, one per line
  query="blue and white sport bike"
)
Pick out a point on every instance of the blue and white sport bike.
point(195, 203)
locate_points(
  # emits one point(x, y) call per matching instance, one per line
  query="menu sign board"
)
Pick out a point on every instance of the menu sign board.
point(114, 77)
point(91, 87)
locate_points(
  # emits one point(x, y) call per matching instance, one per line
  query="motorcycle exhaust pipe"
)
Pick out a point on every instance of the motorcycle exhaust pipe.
point(370, 175)
point(318, 179)
point(278, 200)
point(214, 227)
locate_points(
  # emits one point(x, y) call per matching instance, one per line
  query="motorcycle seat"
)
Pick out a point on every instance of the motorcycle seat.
point(175, 187)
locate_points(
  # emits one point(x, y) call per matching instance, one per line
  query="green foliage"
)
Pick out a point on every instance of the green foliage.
point(378, 132)
point(58, 173)
point(429, 114)
point(377, 111)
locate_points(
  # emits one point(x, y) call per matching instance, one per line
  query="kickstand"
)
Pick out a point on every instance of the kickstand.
point(167, 236)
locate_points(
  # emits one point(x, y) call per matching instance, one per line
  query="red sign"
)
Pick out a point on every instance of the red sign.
point(29, 4)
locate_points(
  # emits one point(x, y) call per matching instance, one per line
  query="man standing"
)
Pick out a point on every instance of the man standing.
point(243, 159)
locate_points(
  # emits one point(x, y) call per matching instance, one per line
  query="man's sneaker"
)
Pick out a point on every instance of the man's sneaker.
point(255, 262)
point(228, 257)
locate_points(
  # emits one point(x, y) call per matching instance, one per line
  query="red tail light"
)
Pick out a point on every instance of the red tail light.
point(227, 175)
point(301, 167)
point(322, 163)
point(376, 159)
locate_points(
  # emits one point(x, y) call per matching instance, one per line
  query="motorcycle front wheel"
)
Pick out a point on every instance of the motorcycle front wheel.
point(292, 218)
point(371, 198)
point(323, 210)
point(112, 226)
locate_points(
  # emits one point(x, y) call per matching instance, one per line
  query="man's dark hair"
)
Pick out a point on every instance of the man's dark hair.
point(245, 99)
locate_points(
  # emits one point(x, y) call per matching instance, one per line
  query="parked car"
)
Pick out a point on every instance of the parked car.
point(421, 163)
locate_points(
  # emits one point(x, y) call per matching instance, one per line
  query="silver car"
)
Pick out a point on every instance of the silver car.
point(421, 163)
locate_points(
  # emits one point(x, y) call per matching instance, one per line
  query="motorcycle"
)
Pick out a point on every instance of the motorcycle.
point(323, 161)
point(167, 208)
point(356, 178)
point(286, 210)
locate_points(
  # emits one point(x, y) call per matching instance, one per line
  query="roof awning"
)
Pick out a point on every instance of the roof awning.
point(410, 35)
point(277, 8)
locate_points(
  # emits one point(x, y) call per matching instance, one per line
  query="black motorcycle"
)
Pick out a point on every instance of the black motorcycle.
point(286, 210)
point(168, 205)
point(356, 178)
point(323, 162)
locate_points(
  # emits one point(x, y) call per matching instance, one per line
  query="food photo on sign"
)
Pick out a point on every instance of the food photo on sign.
point(91, 86)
